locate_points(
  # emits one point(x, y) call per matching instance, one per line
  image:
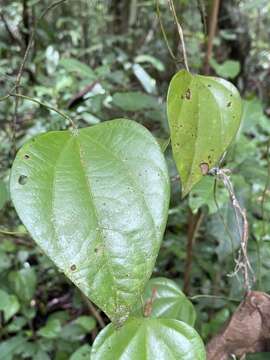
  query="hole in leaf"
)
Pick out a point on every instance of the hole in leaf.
point(229, 104)
point(26, 156)
point(73, 267)
point(23, 179)
point(204, 168)
point(188, 94)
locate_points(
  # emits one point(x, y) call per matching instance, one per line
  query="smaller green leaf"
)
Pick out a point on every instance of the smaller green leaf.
point(214, 325)
point(17, 324)
point(73, 65)
point(203, 194)
point(150, 59)
point(228, 69)
point(51, 330)
point(204, 115)
point(148, 83)
point(9, 304)
point(134, 101)
point(168, 301)
point(23, 283)
point(9, 348)
point(42, 355)
point(5, 262)
point(72, 332)
point(82, 353)
point(149, 339)
point(88, 323)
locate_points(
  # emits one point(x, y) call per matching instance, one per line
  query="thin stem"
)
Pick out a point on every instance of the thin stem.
point(94, 311)
point(211, 35)
point(180, 32)
point(49, 107)
point(22, 66)
point(194, 226)
point(13, 233)
point(204, 296)
point(164, 32)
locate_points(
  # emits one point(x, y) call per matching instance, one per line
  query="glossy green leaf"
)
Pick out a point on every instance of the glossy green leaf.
point(88, 323)
point(147, 82)
point(151, 60)
point(9, 304)
point(168, 301)
point(96, 201)
point(228, 69)
point(203, 194)
point(51, 330)
point(83, 353)
point(9, 348)
point(204, 116)
point(23, 283)
point(134, 101)
point(148, 339)
point(76, 66)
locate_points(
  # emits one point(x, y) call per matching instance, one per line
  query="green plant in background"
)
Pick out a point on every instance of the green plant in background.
point(96, 201)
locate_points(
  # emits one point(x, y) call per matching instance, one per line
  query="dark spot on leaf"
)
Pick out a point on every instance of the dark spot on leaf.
point(96, 250)
point(73, 267)
point(26, 156)
point(188, 94)
point(204, 168)
point(209, 85)
point(229, 104)
point(23, 179)
point(230, 95)
point(182, 97)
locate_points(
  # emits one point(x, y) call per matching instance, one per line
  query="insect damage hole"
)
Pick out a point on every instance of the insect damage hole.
point(26, 156)
point(22, 179)
point(188, 94)
point(73, 267)
point(204, 168)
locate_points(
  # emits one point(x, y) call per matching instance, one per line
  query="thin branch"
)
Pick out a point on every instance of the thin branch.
point(211, 35)
point(193, 228)
point(242, 262)
point(180, 32)
point(22, 66)
point(217, 297)
point(94, 312)
point(164, 32)
point(49, 107)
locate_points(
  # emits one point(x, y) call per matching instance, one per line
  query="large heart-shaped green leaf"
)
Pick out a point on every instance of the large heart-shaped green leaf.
point(149, 339)
point(204, 116)
point(167, 301)
point(96, 202)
